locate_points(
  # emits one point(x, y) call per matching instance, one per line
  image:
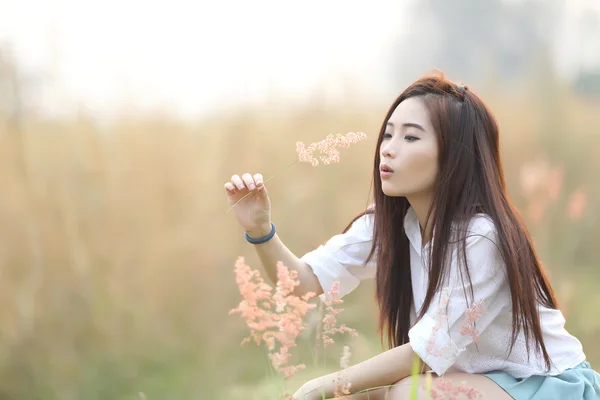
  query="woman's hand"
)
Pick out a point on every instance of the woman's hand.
point(254, 212)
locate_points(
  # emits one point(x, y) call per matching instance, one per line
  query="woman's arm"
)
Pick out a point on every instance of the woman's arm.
point(340, 259)
point(273, 251)
point(384, 369)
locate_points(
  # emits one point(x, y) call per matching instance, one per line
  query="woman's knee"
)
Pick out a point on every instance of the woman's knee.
point(406, 387)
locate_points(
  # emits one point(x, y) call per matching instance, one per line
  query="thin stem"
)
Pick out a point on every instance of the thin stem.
point(371, 389)
point(316, 348)
point(248, 194)
point(415, 376)
point(271, 369)
point(273, 374)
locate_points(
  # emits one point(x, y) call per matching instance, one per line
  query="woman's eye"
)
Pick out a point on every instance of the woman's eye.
point(387, 135)
point(410, 138)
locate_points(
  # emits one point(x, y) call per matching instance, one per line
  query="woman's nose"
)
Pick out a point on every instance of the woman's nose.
point(387, 151)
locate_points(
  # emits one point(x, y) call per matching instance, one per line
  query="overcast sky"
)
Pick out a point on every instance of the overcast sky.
point(197, 56)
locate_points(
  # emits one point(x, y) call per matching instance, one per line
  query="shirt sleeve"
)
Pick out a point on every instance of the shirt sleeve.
point(341, 258)
point(454, 319)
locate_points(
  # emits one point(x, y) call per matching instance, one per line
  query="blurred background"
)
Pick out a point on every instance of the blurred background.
point(120, 121)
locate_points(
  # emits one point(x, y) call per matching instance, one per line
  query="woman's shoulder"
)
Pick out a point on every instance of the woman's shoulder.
point(361, 226)
point(364, 222)
point(481, 224)
point(480, 230)
point(482, 247)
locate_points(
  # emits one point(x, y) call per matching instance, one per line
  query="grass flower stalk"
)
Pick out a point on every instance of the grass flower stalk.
point(327, 148)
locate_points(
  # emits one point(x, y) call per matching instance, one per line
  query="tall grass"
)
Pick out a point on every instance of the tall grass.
point(116, 256)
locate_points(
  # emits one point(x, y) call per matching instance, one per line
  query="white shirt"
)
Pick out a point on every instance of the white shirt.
point(449, 348)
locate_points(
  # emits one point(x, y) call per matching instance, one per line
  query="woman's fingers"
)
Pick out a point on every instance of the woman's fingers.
point(258, 179)
point(230, 187)
point(249, 181)
point(246, 181)
point(238, 182)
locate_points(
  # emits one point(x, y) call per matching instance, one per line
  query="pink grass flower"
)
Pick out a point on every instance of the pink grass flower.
point(327, 148)
point(343, 385)
point(541, 179)
point(330, 327)
point(445, 389)
point(275, 318)
point(541, 184)
point(537, 209)
point(577, 204)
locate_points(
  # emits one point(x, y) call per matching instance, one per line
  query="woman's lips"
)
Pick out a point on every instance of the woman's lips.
point(385, 171)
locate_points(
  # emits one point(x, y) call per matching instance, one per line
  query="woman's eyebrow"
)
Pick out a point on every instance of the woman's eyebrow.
point(413, 125)
point(408, 125)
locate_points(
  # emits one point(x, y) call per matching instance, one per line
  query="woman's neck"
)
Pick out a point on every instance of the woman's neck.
point(421, 208)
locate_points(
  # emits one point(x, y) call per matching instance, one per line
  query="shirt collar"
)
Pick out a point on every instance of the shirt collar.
point(413, 230)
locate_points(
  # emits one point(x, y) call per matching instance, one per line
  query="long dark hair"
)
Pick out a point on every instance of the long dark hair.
point(470, 181)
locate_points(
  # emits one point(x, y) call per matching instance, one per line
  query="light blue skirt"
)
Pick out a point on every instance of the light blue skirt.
point(577, 383)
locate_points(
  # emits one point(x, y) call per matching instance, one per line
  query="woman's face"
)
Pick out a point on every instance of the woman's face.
point(410, 149)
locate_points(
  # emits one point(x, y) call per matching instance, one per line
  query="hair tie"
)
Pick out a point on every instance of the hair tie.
point(462, 88)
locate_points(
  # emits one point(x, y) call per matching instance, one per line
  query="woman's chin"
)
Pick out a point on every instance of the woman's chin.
point(391, 191)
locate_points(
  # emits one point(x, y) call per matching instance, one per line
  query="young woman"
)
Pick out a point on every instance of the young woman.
point(459, 284)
